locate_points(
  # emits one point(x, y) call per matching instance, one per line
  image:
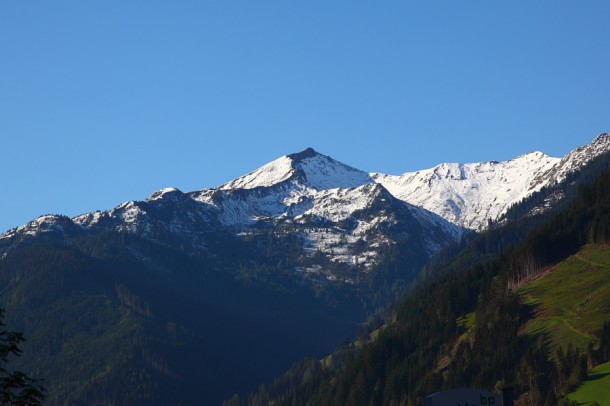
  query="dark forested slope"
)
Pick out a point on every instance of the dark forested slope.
point(114, 318)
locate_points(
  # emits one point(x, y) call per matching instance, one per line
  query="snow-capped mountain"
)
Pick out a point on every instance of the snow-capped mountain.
point(335, 211)
point(345, 214)
point(315, 170)
point(469, 195)
point(313, 192)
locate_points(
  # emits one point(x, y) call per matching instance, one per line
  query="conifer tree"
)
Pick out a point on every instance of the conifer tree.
point(16, 388)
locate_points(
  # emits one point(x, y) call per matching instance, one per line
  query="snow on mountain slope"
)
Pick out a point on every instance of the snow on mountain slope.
point(331, 204)
point(470, 194)
point(236, 207)
point(578, 158)
point(310, 168)
point(45, 224)
point(267, 175)
point(166, 212)
point(286, 187)
point(337, 205)
point(322, 172)
point(370, 218)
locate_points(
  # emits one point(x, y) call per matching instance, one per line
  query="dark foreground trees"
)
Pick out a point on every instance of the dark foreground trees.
point(16, 388)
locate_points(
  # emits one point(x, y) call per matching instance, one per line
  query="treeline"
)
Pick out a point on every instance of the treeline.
point(423, 349)
point(586, 221)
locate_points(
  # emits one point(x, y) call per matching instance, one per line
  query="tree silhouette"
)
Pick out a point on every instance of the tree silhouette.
point(16, 388)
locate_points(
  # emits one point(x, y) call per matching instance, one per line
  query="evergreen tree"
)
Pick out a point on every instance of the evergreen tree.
point(16, 388)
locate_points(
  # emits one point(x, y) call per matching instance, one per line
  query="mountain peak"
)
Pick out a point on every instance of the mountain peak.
point(164, 192)
point(603, 138)
point(323, 172)
point(307, 153)
point(308, 167)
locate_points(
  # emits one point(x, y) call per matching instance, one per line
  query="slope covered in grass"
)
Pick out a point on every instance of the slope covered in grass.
point(572, 300)
point(596, 388)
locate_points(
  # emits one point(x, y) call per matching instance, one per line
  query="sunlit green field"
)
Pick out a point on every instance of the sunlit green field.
point(596, 388)
point(570, 304)
point(573, 300)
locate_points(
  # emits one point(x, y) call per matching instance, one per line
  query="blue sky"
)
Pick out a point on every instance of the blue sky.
point(107, 101)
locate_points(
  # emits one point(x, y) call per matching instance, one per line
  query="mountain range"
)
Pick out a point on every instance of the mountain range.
point(339, 211)
point(159, 295)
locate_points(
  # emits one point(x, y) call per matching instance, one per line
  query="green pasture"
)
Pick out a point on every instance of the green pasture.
point(596, 388)
point(572, 301)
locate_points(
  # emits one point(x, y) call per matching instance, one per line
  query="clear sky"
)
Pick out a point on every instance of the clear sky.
point(107, 101)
